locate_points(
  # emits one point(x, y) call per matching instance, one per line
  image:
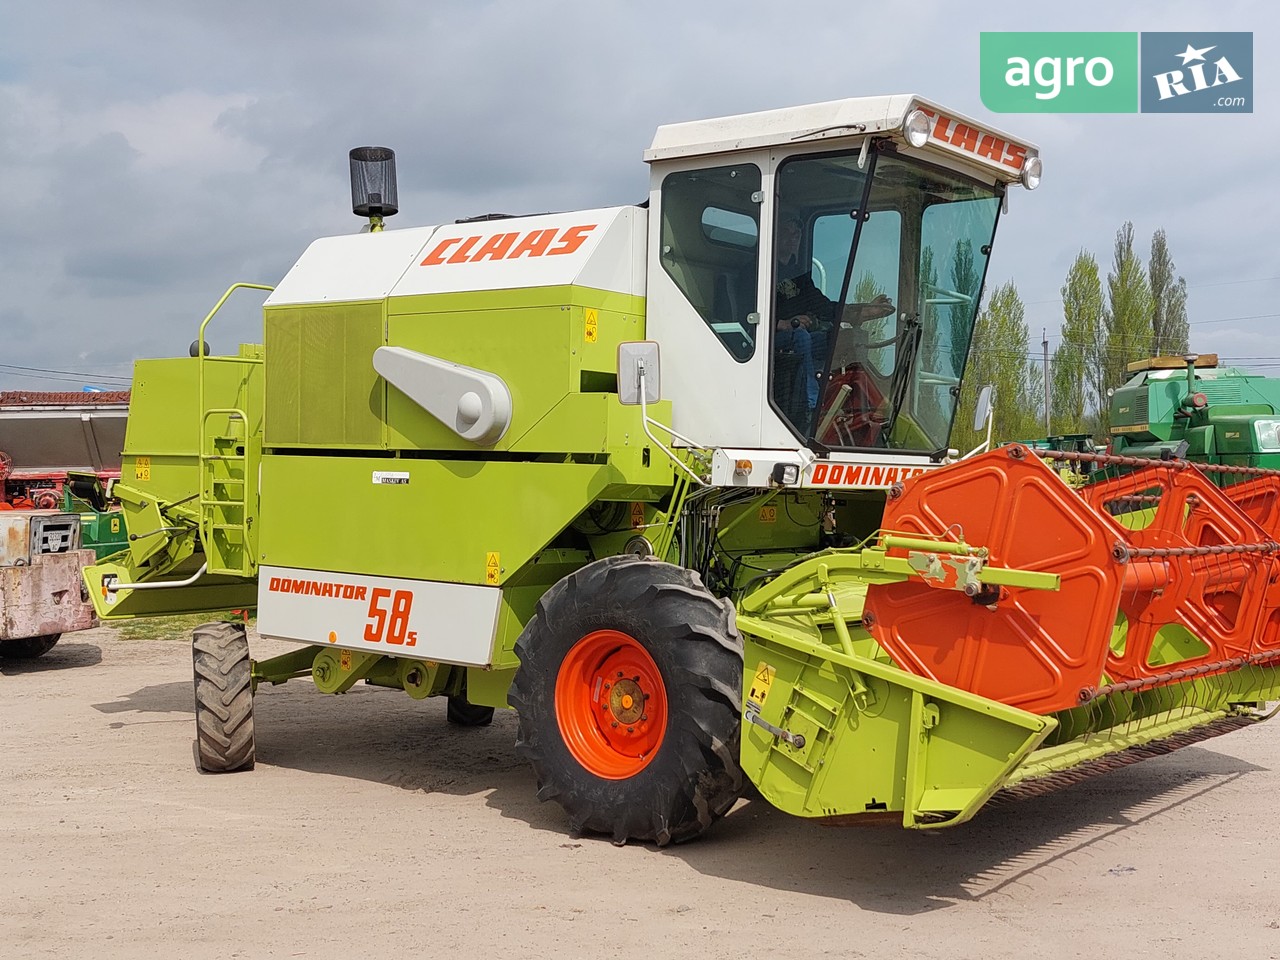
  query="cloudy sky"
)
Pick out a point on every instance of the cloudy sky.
point(152, 153)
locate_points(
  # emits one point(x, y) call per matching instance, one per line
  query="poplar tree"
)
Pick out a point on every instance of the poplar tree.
point(1078, 372)
point(1170, 333)
point(964, 280)
point(1128, 317)
point(1000, 357)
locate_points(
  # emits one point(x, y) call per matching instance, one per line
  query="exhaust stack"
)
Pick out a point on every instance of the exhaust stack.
point(373, 184)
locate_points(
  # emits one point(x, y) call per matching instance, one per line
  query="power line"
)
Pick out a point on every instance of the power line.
point(1228, 283)
point(66, 373)
point(1190, 286)
point(82, 381)
point(1256, 316)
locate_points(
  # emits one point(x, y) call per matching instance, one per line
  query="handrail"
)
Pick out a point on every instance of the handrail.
point(116, 585)
point(202, 354)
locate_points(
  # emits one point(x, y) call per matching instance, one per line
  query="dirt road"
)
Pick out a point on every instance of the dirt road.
point(371, 828)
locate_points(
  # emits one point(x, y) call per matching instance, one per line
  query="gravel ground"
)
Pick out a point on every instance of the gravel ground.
point(371, 828)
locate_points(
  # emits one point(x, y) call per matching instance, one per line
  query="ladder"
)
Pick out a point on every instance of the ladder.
point(226, 488)
point(224, 513)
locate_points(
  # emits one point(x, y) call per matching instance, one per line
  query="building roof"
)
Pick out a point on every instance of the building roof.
point(33, 398)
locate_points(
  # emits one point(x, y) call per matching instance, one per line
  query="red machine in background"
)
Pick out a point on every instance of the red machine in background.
point(47, 439)
point(59, 454)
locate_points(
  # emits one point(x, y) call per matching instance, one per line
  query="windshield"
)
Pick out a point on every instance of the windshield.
point(877, 276)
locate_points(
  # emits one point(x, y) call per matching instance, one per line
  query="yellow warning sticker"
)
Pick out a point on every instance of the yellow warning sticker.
point(768, 514)
point(142, 468)
point(593, 322)
point(761, 683)
point(344, 660)
point(637, 516)
point(492, 568)
point(115, 524)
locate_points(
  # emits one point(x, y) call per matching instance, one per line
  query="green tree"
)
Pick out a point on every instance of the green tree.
point(964, 281)
point(878, 331)
point(999, 357)
point(1170, 333)
point(1078, 372)
point(1128, 316)
point(866, 289)
point(932, 404)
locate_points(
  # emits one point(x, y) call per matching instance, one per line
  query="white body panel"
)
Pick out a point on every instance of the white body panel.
point(447, 622)
point(602, 249)
point(845, 471)
point(864, 472)
point(360, 266)
point(724, 466)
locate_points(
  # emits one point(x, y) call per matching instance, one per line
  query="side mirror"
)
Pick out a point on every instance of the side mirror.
point(983, 409)
point(635, 357)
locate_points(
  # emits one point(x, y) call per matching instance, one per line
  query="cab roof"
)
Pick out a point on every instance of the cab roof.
point(834, 119)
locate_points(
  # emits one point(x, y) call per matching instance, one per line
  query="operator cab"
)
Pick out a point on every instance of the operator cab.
point(823, 270)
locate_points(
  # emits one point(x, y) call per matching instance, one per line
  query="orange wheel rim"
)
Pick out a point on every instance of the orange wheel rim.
point(611, 704)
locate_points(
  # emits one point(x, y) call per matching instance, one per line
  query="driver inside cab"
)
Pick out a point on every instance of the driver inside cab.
point(805, 326)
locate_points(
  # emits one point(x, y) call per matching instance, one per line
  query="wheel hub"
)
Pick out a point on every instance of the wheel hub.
point(626, 701)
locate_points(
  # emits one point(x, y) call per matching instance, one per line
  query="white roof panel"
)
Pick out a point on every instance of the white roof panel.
point(843, 118)
point(357, 266)
point(950, 132)
point(603, 249)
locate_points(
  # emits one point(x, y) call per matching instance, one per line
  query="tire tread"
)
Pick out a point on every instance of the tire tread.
point(695, 778)
point(224, 698)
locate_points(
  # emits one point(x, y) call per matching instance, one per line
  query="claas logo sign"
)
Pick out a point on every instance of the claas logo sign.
point(977, 143)
point(550, 242)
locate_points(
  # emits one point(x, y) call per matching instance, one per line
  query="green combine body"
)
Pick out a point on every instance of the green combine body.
point(690, 512)
point(1194, 408)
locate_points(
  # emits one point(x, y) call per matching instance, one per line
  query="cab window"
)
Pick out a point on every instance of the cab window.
point(710, 248)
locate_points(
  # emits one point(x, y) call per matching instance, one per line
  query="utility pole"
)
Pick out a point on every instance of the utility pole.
point(1048, 430)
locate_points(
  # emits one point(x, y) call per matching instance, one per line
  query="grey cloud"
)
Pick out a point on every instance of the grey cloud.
point(521, 107)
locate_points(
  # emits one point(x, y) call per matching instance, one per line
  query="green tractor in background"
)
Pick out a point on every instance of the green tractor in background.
point(1190, 407)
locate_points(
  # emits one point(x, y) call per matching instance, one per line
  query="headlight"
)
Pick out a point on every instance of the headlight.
point(785, 474)
point(1031, 171)
point(1268, 434)
point(916, 128)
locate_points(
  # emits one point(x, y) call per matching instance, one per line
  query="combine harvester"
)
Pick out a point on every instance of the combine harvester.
point(673, 481)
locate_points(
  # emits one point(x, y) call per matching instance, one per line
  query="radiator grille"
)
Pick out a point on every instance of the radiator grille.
point(321, 388)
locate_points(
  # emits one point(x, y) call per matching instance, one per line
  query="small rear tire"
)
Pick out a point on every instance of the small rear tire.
point(629, 700)
point(461, 712)
point(224, 698)
point(28, 648)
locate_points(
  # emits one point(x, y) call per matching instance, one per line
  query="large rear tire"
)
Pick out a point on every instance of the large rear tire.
point(28, 648)
point(629, 700)
point(224, 698)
